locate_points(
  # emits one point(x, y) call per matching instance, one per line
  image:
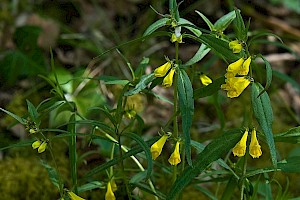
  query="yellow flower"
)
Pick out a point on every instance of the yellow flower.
point(73, 196)
point(42, 147)
point(174, 38)
point(114, 185)
point(162, 70)
point(175, 157)
point(109, 195)
point(240, 67)
point(236, 46)
point(240, 148)
point(255, 150)
point(205, 80)
point(36, 144)
point(244, 70)
point(168, 80)
point(235, 86)
point(156, 148)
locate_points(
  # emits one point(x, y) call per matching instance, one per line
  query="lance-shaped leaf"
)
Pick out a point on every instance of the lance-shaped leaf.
point(186, 105)
point(222, 23)
point(210, 89)
point(156, 25)
point(190, 26)
point(145, 80)
point(213, 151)
point(202, 51)
point(263, 112)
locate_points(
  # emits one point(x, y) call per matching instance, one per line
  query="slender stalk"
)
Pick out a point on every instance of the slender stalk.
point(244, 172)
point(122, 166)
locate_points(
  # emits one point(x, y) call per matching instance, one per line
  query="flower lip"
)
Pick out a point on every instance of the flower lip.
point(175, 156)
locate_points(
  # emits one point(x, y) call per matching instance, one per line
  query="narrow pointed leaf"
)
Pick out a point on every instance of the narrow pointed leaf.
point(145, 80)
point(16, 117)
point(263, 112)
point(73, 152)
point(156, 25)
point(222, 23)
point(186, 105)
point(209, 24)
point(145, 148)
point(202, 51)
point(190, 27)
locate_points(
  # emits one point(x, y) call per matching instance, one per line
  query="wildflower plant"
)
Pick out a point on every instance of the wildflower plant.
point(136, 162)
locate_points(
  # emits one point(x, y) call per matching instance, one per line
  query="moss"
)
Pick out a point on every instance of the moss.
point(22, 178)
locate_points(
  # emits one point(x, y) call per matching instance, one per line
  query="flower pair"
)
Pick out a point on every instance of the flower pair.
point(176, 36)
point(156, 150)
point(40, 145)
point(165, 70)
point(254, 150)
point(235, 85)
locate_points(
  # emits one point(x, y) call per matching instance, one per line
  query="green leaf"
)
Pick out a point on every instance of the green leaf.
point(90, 186)
point(213, 151)
point(156, 25)
point(116, 160)
point(33, 112)
point(112, 80)
point(221, 47)
point(183, 22)
point(222, 23)
point(291, 136)
point(145, 148)
point(186, 105)
point(200, 147)
point(209, 24)
point(16, 117)
point(53, 175)
point(268, 74)
point(210, 89)
point(202, 51)
point(72, 152)
point(145, 80)
point(291, 165)
point(263, 112)
point(140, 70)
point(173, 7)
point(241, 31)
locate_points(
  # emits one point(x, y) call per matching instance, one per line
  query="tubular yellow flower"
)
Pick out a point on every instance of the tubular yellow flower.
point(254, 150)
point(236, 46)
point(42, 147)
point(234, 68)
point(175, 157)
point(240, 148)
point(156, 148)
point(244, 70)
point(162, 70)
point(114, 185)
point(205, 80)
point(36, 144)
point(73, 196)
point(109, 195)
point(168, 80)
point(235, 86)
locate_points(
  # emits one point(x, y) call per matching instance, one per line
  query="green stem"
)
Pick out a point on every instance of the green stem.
point(243, 176)
point(122, 167)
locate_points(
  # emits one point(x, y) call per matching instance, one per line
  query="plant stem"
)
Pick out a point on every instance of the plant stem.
point(122, 167)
